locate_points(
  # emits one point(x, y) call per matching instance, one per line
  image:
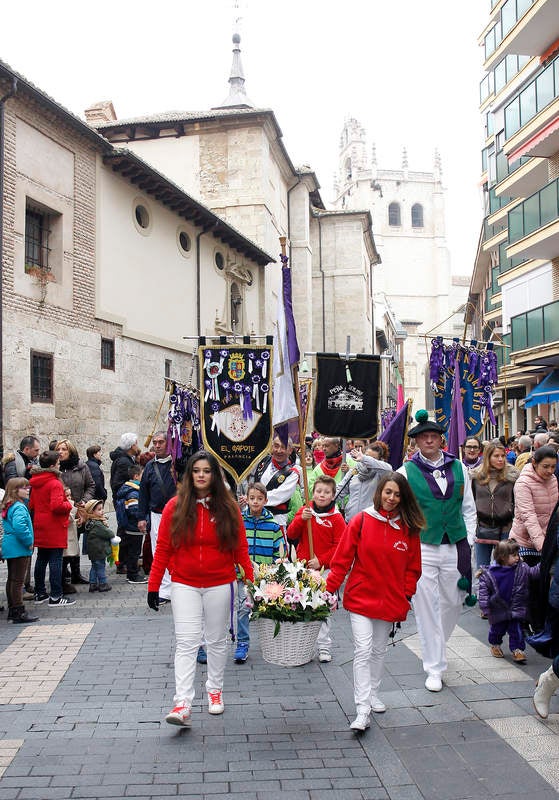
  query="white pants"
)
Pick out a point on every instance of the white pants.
point(165, 588)
point(370, 640)
point(197, 612)
point(437, 603)
point(324, 640)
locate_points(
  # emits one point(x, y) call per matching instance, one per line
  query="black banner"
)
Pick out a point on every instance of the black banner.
point(347, 393)
point(236, 400)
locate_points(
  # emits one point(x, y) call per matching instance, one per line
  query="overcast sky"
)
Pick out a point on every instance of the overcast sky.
point(408, 71)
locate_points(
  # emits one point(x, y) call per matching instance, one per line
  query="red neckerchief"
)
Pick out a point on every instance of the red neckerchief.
point(331, 466)
point(279, 466)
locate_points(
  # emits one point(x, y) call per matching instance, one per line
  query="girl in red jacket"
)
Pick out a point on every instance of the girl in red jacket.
point(381, 550)
point(50, 508)
point(200, 539)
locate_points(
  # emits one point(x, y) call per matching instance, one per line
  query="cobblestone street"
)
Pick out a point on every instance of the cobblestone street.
point(84, 696)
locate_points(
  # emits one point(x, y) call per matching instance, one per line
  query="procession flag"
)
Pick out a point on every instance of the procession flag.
point(286, 353)
point(456, 428)
point(395, 435)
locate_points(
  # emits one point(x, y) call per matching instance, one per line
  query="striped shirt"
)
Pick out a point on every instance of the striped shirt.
point(264, 536)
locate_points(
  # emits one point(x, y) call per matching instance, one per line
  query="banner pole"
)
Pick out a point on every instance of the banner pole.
point(295, 382)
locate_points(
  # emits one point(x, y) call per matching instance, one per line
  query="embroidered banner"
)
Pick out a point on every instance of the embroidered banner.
point(347, 394)
point(475, 395)
point(236, 413)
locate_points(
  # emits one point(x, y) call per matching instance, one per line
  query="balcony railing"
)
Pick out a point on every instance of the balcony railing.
point(506, 264)
point(503, 353)
point(492, 230)
point(536, 211)
point(538, 94)
point(535, 327)
point(511, 12)
point(504, 169)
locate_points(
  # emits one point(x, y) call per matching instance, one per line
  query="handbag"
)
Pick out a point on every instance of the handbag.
point(541, 641)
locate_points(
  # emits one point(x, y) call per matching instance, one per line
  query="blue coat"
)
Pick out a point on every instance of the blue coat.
point(18, 532)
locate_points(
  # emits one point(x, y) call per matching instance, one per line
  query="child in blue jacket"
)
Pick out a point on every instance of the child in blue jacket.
point(17, 546)
point(264, 537)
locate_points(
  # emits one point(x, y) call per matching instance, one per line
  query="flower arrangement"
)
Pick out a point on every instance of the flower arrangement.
point(289, 592)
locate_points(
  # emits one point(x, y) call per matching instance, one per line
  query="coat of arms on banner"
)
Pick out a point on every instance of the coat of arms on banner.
point(236, 417)
point(346, 398)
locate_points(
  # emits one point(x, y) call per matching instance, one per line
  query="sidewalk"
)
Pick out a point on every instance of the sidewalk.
point(83, 695)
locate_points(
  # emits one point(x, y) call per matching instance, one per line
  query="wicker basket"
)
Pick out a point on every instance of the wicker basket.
point(294, 645)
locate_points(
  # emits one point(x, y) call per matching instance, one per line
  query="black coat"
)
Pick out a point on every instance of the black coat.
point(122, 462)
point(98, 478)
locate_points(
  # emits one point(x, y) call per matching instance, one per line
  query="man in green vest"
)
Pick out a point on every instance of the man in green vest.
point(442, 488)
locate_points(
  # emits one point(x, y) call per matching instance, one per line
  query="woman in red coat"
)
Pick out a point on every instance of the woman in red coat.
point(50, 508)
point(381, 550)
point(200, 540)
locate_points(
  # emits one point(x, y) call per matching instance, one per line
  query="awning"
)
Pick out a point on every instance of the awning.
point(545, 392)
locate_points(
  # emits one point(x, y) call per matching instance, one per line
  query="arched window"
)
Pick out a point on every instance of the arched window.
point(394, 214)
point(417, 215)
point(347, 169)
point(236, 301)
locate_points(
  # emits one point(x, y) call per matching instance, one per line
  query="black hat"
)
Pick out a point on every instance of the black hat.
point(424, 424)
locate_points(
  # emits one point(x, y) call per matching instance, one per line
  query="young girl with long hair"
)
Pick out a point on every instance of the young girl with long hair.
point(493, 488)
point(17, 545)
point(201, 539)
point(381, 551)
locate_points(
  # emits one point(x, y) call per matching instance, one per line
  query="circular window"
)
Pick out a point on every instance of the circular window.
point(142, 216)
point(219, 260)
point(184, 242)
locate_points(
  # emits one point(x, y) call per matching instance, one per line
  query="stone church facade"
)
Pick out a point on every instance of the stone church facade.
point(414, 278)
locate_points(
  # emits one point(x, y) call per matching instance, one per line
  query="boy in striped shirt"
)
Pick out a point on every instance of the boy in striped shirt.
point(264, 537)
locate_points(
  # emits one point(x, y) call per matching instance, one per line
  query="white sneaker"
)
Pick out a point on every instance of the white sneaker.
point(180, 715)
point(361, 722)
point(324, 656)
point(433, 682)
point(215, 702)
point(377, 705)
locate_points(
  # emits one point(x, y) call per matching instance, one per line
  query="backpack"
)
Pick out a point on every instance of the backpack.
point(121, 515)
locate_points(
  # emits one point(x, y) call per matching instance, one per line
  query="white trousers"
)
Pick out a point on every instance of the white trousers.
point(437, 604)
point(165, 588)
point(370, 640)
point(197, 612)
point(324, 640)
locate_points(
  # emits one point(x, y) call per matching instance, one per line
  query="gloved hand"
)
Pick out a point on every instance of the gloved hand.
point(153, 600)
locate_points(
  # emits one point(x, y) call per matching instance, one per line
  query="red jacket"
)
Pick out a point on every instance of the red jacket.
point(325, 535)
point(49, 508)
point(200, 563)
point(386, 567)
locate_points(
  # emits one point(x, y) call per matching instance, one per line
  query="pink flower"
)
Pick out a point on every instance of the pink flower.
point(273, 590)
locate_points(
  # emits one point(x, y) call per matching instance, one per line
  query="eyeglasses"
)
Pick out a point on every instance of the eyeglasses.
point(471, 447)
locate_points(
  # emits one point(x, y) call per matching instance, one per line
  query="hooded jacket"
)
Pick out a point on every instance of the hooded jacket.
point(534, 501)
point(383, 559)
point(327, 529)
point(199, 563)
point(77, 478)
point(122, 461)
point(364, 483)
point(18, 531)
point(50, 509)
point(490, 600)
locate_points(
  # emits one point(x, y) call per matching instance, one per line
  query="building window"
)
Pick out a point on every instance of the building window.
point(184, 242)
point(219, 260)
point(168, 365)
point(107, 354)
point(142, 216)
point(394, 214)
point(36, 240)
point(41, 377)
point(417, 215)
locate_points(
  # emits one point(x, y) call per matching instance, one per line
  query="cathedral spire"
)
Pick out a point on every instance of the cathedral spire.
point(237, 97)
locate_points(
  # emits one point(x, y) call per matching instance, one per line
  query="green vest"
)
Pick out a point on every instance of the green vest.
point(443, 516)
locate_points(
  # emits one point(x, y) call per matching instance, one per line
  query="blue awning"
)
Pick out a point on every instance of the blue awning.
point(545, 392)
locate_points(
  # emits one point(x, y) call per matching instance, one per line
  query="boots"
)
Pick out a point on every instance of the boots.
point(20, 615)
point(547, 684)
point(75, 571)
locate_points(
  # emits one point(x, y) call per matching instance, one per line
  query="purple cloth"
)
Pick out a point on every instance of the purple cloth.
point(491, 601)
point(513, 627)
point(394, 435)
point(457, 428)
point(292, 344)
